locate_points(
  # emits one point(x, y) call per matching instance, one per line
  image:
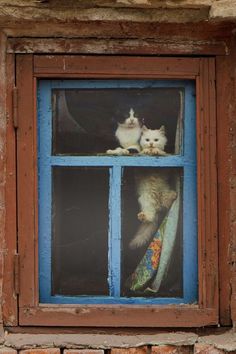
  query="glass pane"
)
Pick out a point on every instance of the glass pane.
point(152, 232)
point(80, 231)
point(86, 121)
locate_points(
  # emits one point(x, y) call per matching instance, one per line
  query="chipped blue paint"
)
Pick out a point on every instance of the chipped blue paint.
point(112, 300)
point(115, 231)
point(190, 200)
point(169, 161)
point(46, 162)
point(45, 190)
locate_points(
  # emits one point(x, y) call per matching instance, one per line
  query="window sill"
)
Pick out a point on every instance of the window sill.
point(223, 339)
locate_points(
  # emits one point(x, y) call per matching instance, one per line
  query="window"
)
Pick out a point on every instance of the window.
point(88, 192)
point(91, 195)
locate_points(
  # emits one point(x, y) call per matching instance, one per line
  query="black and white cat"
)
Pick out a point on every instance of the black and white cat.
point(128, 134)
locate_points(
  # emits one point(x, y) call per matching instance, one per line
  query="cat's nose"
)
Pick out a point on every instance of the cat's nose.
point(151, 144)
point(131, 120)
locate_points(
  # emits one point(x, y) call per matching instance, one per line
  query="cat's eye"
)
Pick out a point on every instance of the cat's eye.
point(156, 139)
point(147, 139)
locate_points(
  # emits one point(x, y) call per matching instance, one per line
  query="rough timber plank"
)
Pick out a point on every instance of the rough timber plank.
point(132, 46)
point(10, 312)
point(109, 3)
point(118, 316)
point(26, 159)
point(121, 29)
point(231, 109)
point(3, 87)
point(224, 102)
point(119, 66)
point(27, 13)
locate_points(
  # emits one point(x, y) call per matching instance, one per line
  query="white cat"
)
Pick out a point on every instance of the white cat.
point(154, 195)
point(128, 134)
point(153, 142)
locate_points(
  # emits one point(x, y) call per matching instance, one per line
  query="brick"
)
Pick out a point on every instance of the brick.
point(41, 351)
point(206, 349)
point(139, 350)
point(171, 349)
point(5, 350)
point(83, 351)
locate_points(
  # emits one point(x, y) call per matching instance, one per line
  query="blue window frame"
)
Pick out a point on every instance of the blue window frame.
point(115, 166)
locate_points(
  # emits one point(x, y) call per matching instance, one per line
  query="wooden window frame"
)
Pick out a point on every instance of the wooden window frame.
point(29, 68)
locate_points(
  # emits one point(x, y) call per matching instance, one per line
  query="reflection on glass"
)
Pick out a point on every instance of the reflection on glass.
point(80, 231)
point(85, 121)
point(152, 232)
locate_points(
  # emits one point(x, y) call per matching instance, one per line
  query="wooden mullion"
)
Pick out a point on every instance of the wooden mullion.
point(115, 231)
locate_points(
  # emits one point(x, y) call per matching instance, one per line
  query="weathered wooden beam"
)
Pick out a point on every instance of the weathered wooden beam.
point(231, 112)
point(60, 14)
point(152, 4)
point(135, 46)
point(3, 122)
point(120, 29)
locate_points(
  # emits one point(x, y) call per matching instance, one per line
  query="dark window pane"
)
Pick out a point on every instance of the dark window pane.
point(152, 232)
point(80, 231)
point(85, 120)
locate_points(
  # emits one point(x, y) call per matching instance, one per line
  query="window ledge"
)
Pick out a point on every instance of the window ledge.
point(219, 338)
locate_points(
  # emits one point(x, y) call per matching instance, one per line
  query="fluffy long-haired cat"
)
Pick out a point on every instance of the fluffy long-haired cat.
point(153, 189)
point(154, 196)
point(128, 134)
point(153, 141)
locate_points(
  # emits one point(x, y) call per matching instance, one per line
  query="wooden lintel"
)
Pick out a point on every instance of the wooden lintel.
point(102, 46)
point(151, 4)
point(120, 29)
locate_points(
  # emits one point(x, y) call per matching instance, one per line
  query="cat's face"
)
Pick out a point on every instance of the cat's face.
point(153, 138)
point(131, 121)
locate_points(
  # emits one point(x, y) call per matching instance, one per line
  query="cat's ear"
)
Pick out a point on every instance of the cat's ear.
point(162, 129)
point(144, 128)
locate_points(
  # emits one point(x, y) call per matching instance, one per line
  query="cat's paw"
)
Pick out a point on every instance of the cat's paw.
point(145, 152)
point(169, 199)
point(173, 195)
point(110, 152)
point(142, 216)
point(158, 152)
point(136, 243)
point(118, 152)
point(145, 216)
